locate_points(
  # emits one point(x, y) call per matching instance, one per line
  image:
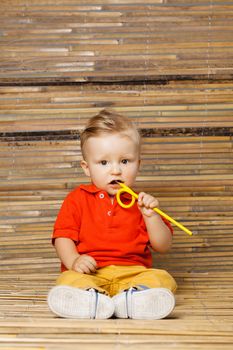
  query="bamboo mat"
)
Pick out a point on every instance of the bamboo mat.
point(202, 318)
point(79, 41)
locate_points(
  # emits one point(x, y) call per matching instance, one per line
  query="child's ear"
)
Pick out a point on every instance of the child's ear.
point(85, 167)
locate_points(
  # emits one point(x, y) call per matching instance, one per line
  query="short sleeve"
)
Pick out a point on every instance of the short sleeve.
point(67, 224)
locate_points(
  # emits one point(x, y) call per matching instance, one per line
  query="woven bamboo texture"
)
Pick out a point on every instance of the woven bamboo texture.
point(79, 41)
point(168, 66)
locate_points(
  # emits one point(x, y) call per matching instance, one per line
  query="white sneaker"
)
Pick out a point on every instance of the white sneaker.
point(149, 304)
point(70, 302)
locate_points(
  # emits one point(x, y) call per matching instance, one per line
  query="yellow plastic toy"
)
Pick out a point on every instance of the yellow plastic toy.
point(135, 196)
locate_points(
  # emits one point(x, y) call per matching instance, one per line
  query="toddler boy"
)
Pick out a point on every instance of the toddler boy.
point(104, 249)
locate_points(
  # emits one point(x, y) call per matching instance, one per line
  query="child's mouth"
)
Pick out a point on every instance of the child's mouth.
point(115, 182)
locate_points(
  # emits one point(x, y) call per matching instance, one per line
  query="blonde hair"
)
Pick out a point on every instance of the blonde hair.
point(109, 122)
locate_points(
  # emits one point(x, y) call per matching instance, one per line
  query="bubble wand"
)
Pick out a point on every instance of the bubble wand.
point(126, 189)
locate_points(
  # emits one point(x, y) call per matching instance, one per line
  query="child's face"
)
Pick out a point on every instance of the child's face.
point(110, 158)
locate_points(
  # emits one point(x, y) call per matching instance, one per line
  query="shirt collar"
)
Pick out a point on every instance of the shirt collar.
point(91, 188)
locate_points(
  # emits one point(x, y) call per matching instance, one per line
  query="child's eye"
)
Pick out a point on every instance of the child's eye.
point(103, 162)
point(125, 161)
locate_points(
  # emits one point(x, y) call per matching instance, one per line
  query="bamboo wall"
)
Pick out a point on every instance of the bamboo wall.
point(167, 65)
point(78, 41)
point(186, 162)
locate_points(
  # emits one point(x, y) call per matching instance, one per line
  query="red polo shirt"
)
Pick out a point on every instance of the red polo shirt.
point(104, 230)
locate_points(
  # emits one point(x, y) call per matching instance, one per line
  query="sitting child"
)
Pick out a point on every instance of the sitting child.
point(104, 249)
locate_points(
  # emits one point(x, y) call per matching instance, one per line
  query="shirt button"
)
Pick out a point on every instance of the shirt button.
point(101, 195)
point(109, 213)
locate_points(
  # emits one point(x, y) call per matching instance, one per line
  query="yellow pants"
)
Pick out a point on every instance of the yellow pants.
point(114, 279)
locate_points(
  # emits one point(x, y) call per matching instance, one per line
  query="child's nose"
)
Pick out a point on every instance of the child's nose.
point(116, 169)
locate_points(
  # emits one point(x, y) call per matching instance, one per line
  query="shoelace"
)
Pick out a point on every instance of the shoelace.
point(128, 296)
point(129, 293)
point(94, 302)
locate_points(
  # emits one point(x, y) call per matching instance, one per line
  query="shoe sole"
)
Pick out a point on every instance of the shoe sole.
point(150, 304)
point(70, 302)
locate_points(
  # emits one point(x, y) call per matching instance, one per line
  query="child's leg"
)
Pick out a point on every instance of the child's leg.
point(125, 277)
point(82, 280)
point(153, 278)
point(79, 296)
point(145, 294)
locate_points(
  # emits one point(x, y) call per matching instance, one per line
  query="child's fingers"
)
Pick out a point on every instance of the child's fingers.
point(153, 204)
point(85, 268)
point(92, 261)
point(85, 264)
point(140, 198)
point(147, 200)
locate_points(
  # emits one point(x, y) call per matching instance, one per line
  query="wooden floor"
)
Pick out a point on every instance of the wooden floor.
point(202, 318)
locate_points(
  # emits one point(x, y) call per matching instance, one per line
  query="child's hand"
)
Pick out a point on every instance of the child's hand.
point(84, 264)
point(146, 203)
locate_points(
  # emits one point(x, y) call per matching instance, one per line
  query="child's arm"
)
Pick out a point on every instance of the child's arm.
point(67, 253)
point(159, 233)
